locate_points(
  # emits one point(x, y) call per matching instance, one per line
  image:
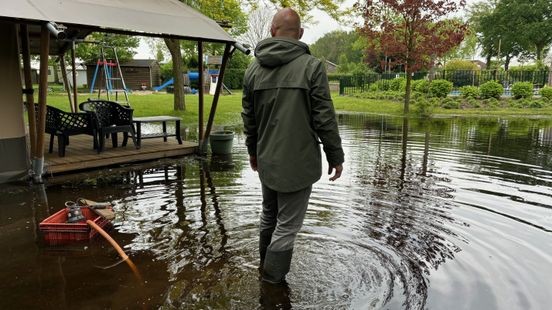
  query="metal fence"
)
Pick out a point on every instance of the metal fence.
point(362, 83)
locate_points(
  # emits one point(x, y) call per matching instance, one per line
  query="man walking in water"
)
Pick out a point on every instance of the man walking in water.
point(287, 110)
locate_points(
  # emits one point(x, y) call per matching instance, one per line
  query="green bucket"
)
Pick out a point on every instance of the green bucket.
point(221, 142)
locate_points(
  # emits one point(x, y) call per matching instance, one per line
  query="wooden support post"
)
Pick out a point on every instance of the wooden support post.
point(74, 64)
point(218, 89)
point(26, 52)
point(201, 95)
point(38, 164)
point(66, 81)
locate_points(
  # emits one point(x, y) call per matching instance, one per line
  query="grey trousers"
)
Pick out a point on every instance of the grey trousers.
point(282, 216)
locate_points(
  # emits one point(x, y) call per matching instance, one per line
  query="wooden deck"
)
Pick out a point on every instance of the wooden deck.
point(80, 155)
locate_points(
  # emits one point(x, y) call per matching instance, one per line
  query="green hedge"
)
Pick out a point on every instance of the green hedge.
point(522, 90)
point(546, 92)
point(491, 89)
point(440, 88)
point(233, 78)
point(470, 92)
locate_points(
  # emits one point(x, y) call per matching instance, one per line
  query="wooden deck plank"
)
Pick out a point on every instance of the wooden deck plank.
point(79, 154)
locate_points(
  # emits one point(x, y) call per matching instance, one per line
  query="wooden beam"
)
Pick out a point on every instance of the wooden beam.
point(201, 93)
point(73, 63)
point(225, 58)
point(42, 97)
point(66, 81)
point(26, 52)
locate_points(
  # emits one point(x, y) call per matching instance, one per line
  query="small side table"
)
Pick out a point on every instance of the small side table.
point(163, 119)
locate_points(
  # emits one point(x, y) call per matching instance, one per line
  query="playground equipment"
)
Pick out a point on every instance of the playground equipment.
point(193, 76)
point(111, 78)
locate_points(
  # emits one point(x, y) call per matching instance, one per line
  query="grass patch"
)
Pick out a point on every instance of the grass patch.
point(229, 107)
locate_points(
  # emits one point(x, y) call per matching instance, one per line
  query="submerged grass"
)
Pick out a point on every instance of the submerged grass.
point(229, 107)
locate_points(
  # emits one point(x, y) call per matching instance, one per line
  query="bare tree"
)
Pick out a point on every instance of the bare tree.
point(157, 48)
point(258, 25)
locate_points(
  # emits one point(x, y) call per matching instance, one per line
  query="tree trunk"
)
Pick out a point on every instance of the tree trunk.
point(507, 62)
point(408, 92)
point(174, 48)
point(55, 67)
point(539, 48)
point(488, 61)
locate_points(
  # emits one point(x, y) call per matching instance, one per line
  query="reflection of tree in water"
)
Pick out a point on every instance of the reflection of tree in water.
point(404, 189)
point(405, 214)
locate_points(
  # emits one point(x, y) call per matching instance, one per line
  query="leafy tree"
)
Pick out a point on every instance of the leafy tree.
point(239, 61)
point(125, 45)
point(530, 20)
point(467, 49)
point(411, 32)
point(331, 7)
point(496, 35)
point(478, 18)
point(339, 47)
point(217, 10)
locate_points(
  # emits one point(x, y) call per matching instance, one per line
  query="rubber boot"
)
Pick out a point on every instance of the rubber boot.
point(276, 266)
point(264, 240)
point(274, 296)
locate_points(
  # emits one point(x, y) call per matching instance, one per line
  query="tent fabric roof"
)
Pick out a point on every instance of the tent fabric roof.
point(160, 18)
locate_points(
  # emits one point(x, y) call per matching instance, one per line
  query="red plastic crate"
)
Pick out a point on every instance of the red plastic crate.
point(57, 231)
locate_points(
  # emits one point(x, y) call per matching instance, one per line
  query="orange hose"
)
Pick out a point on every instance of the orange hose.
point(117, 248)
point(108, 238)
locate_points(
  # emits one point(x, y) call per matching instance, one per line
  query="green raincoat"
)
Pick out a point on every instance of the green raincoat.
point(287, 111)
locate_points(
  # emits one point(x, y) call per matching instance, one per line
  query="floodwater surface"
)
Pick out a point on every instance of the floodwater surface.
point(454, 213)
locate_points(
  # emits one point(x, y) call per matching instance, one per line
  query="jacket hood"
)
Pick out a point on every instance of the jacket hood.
point(275, 52)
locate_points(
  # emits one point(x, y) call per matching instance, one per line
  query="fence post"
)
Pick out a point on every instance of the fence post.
point(341, 86)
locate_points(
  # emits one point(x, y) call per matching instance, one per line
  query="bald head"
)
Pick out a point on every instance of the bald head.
point(286, 23)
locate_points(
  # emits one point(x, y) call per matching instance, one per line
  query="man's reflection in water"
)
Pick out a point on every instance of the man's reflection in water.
point(274, 296)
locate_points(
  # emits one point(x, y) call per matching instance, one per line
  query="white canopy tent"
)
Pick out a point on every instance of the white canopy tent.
point(50, 27)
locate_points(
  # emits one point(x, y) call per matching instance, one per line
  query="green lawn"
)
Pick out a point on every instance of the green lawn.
point(229, 107)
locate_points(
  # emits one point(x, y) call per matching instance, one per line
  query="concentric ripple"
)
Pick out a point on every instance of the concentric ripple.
point(453, 213)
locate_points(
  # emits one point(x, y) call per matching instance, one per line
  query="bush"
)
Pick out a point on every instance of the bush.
point(233, 78)
point(537, 104)
point(449, 103)
point(491, 103)
point(440, 88)
point(383, 85)
point(398, 84)
point(382, 95)
point(423, 107)
point(416, 95)
point(166, 71)
point(546, 92)
point(373, 87)
point(421, 86)
point(470, 92)
point(522, 90)
point(491, 89)
point(473, 103)
point(460, 64)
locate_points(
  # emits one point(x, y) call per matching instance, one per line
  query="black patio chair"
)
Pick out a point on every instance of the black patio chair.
point(111, 118)
point(63, 124)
